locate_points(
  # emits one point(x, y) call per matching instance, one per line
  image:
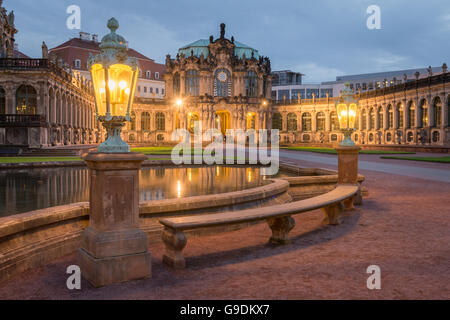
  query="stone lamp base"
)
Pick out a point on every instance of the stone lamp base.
point(348, 168)
point(114, 249)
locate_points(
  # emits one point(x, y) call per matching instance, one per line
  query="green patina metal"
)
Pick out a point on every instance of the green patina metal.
point(200, 47)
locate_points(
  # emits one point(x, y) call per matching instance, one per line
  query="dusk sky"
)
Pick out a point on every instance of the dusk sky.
point(320, 38)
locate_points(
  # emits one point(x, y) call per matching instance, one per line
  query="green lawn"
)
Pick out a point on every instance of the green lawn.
point(333, 151)
point(445, 159)
point(37, 159)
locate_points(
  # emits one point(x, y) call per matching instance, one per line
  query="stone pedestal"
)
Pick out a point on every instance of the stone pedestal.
point(114, 249)
point(348, 169)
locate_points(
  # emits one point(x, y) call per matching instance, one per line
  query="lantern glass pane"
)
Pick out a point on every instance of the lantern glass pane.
point(98, 79)
point(352, 115)
point(120, 88)
point(342, 115)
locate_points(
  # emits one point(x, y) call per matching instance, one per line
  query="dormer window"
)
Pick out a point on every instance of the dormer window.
point(77, 64)
point(148, 74)
point(156, 75)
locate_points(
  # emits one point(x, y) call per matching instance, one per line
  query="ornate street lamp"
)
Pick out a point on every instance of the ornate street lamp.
point(114, 76)
point(346, 108)
point(113, 248)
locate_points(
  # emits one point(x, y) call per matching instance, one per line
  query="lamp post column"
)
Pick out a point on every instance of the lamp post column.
point(114, 249)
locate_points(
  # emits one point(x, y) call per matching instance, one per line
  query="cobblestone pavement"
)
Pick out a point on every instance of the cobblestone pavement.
point(403, 227)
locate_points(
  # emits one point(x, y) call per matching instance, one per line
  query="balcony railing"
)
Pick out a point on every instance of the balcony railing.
point(27, 120)
point(23, 63)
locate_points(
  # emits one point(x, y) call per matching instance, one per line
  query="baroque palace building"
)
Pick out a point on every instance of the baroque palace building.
point(222, 83)
point(413, 113)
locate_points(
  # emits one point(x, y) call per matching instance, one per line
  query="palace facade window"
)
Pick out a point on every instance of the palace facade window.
point(364, 120)
point(334, 121)
point(2, 101)
point(372, 119)
point(145, 121)
point(320, 120)
point(400, 116)
point(437, 112)
point(176, 84)
point(132, 123)
point(192, 83)
point(251, 84)
point(306, 122)
point(424, 112)
point(157, 75)
point(412, 115)
point(148, 74)
point(26, 100)
point(160, 121)
point(380, 118)
point(291, 122)
point(277, 122)
point(390, 123)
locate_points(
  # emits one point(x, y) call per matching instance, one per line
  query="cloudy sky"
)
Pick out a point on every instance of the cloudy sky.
point(320, 38)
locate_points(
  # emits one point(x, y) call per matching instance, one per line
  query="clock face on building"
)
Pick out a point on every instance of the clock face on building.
point(222, 76)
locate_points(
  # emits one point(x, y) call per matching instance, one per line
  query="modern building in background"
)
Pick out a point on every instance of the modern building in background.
point(75, 52)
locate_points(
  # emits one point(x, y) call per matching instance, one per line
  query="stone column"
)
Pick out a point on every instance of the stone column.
point(114, 249)
point(348, 170)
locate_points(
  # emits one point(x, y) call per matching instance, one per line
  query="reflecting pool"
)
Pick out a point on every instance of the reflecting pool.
point(33, 189)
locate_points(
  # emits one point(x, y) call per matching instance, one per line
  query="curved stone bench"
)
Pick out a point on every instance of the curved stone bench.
point(278, 218)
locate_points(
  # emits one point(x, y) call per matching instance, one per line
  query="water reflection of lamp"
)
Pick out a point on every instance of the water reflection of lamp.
point(114, 77)
point(179, 188)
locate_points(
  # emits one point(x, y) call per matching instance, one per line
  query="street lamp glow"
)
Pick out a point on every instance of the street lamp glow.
point(179, 102)
point(114, 77)
point(346, 108)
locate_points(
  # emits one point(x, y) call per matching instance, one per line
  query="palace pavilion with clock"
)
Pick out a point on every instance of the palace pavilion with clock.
point(222, 83)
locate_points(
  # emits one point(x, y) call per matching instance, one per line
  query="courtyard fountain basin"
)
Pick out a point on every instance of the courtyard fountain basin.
point(35, 238)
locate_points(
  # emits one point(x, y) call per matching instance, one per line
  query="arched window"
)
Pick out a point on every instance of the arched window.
point(372, 119)
point(222, 83)
point(251, 84)
point(412, 115)
point(364, 120)
point(291, 122)
point(334, 121)
point(437, 107)
point(2, 101)
point(133, 121)
point(145, 121)
point(320, 119)
point(160, 121)
point(306, 121)
point(400, 122)
point(176, 84)
point(277, 121)
point(380, 118)
point(192, 83)
point(26, 100)
point(424, 111)
point(390, 122)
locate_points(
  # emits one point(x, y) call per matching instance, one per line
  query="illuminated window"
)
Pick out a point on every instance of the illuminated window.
point(291, 122)
point(160, 121)
point(277, 121)
point(320, 120)
point(145, 121)
point(26, 100)
point(306, 122)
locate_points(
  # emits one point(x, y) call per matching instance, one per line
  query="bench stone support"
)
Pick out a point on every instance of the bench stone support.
point(280, 229)
point(175, 241)
point(333, 214)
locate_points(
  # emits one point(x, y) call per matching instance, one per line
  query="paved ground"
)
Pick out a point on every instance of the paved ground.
point(403, 227)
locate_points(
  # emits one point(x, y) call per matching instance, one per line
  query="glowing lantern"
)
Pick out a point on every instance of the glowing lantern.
point(114, 77)
point(346, 108)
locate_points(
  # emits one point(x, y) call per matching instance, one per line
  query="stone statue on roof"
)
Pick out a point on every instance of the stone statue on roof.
point(11, 18)
point(44, 50)
point(222, 30)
